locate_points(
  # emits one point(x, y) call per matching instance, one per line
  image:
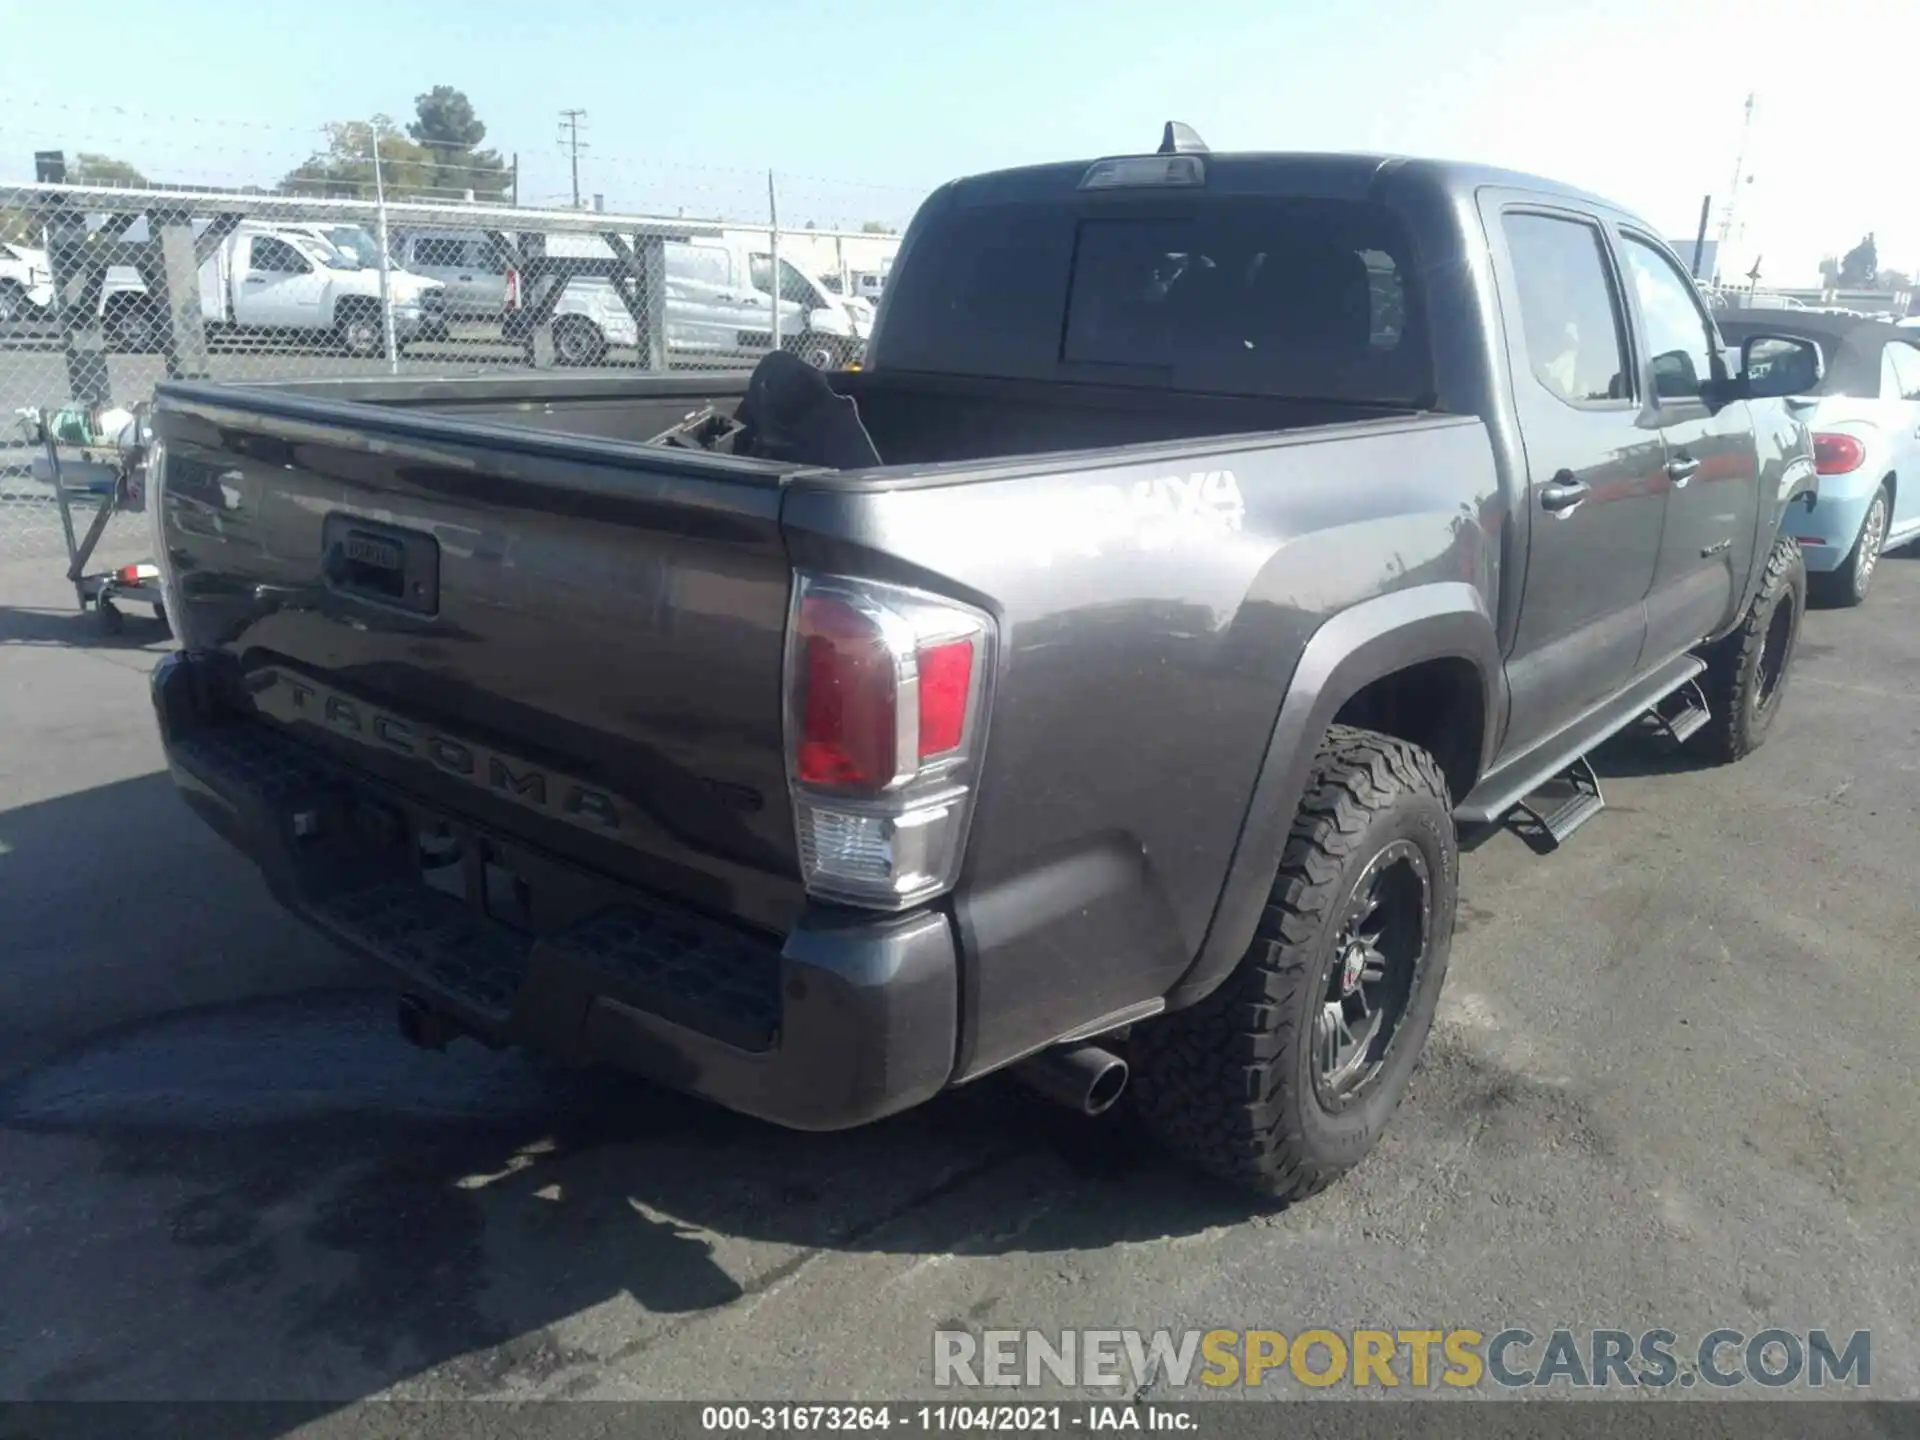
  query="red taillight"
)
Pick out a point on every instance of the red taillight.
point(513, 289)
point(946, 680)
point(849, 709)
point(887, 694)
point(1836, 454)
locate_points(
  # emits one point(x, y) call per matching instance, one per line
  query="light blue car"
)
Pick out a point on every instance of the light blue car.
point(1863, 408)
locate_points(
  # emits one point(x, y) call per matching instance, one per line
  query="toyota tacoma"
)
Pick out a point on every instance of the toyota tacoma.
point(1092, 686)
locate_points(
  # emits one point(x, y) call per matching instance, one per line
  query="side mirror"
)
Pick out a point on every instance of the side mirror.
point(1773, 367)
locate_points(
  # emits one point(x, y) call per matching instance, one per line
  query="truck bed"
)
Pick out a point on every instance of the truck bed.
point(914, 419)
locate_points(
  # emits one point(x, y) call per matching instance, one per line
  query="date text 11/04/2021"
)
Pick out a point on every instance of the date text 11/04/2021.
point(939, 1419)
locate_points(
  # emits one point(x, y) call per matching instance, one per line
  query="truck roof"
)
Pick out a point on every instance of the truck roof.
point(1335, 174)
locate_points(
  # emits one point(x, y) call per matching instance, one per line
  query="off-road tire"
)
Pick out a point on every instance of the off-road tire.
point(1848, 585)
point(1227, 1082)
point(1740, 696)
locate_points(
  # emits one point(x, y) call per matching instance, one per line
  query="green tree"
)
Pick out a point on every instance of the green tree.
point(445, 126)
point(21, 227)
point(876, 227)
point(1895, 280)
point(92, 169)
point(344, 169)
point(1859, 265)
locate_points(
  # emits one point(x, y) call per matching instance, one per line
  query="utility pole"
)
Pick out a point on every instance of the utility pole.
point(570, 137)
point(1733, 191)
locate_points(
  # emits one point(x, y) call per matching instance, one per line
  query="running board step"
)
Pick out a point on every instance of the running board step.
point(1565, 802)
point(1682, 713)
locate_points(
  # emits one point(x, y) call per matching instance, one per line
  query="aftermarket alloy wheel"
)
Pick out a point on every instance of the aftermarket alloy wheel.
point(1747, 671)
point(1285, 1076)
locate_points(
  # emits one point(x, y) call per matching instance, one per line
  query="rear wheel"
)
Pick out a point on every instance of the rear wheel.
point(1747, 670)
point(361, 333)
point(134, 325)
point(13, 302)
point(1285, 1076)
point(578, 341)
point(1849, 584)
point(824, 352)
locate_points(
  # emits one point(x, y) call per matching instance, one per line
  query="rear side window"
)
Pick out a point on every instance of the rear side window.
point(1906, 368)
point(1679, 335)
point(440, 253)
point(276, 257)
point(701, 264)
point(1251, 295)
point(1569, 313)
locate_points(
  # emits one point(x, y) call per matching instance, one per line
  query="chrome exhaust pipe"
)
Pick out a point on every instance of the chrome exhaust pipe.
point(1080, 1077)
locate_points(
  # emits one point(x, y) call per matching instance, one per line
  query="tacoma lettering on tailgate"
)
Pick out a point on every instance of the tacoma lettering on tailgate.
point(295, 700)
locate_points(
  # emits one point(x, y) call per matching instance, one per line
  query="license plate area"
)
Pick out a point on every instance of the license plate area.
point(382, 563)
point(461, 862)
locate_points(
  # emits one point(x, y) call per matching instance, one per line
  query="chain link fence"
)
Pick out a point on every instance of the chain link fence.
point(105, 292)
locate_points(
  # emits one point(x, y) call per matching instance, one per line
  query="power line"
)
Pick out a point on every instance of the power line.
point(570, 137)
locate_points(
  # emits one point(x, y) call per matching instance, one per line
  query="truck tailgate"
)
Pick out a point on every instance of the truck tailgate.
point(577, 643)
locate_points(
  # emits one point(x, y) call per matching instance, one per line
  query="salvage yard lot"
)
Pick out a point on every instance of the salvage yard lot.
point(1671, 1086)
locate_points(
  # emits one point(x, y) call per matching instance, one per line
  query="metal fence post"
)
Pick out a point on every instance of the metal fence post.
point(773, 218)
point(380, 239)
point(179, 275)
point(79, 273)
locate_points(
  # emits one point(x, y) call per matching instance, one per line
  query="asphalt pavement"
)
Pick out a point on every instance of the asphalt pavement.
point(1672, 1085)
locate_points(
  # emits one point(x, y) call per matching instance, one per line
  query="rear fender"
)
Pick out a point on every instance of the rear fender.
point(1351, 651)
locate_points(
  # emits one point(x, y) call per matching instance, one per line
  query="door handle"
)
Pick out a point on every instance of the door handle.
point(1682, 470)
point(1562, 495)
point(254, 280)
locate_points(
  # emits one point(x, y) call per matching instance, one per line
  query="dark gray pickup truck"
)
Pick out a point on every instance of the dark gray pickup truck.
point(1094, 685)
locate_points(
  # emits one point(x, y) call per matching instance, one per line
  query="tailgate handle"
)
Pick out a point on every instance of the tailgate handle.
point(382, 563)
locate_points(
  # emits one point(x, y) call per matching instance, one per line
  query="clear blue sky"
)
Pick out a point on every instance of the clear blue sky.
point(860, 106)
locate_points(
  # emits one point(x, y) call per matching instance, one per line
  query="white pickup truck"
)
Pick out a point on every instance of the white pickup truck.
point(285, 279)
point(26, 283)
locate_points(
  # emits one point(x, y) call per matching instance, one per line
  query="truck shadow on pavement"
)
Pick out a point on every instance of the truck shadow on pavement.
point(72, 629)
point(240, 1189)
point(268, 1196)
point(322, 1190)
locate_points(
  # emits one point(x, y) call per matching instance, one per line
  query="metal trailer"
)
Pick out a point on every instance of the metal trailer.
point(114, 486)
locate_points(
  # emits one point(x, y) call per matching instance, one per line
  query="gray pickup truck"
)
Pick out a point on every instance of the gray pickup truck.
point(1092, 687)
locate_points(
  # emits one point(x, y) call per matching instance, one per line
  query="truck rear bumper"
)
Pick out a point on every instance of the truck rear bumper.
point(850, 1018)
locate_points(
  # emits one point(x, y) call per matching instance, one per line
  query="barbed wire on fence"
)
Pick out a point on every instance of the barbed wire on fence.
point(251, 154)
